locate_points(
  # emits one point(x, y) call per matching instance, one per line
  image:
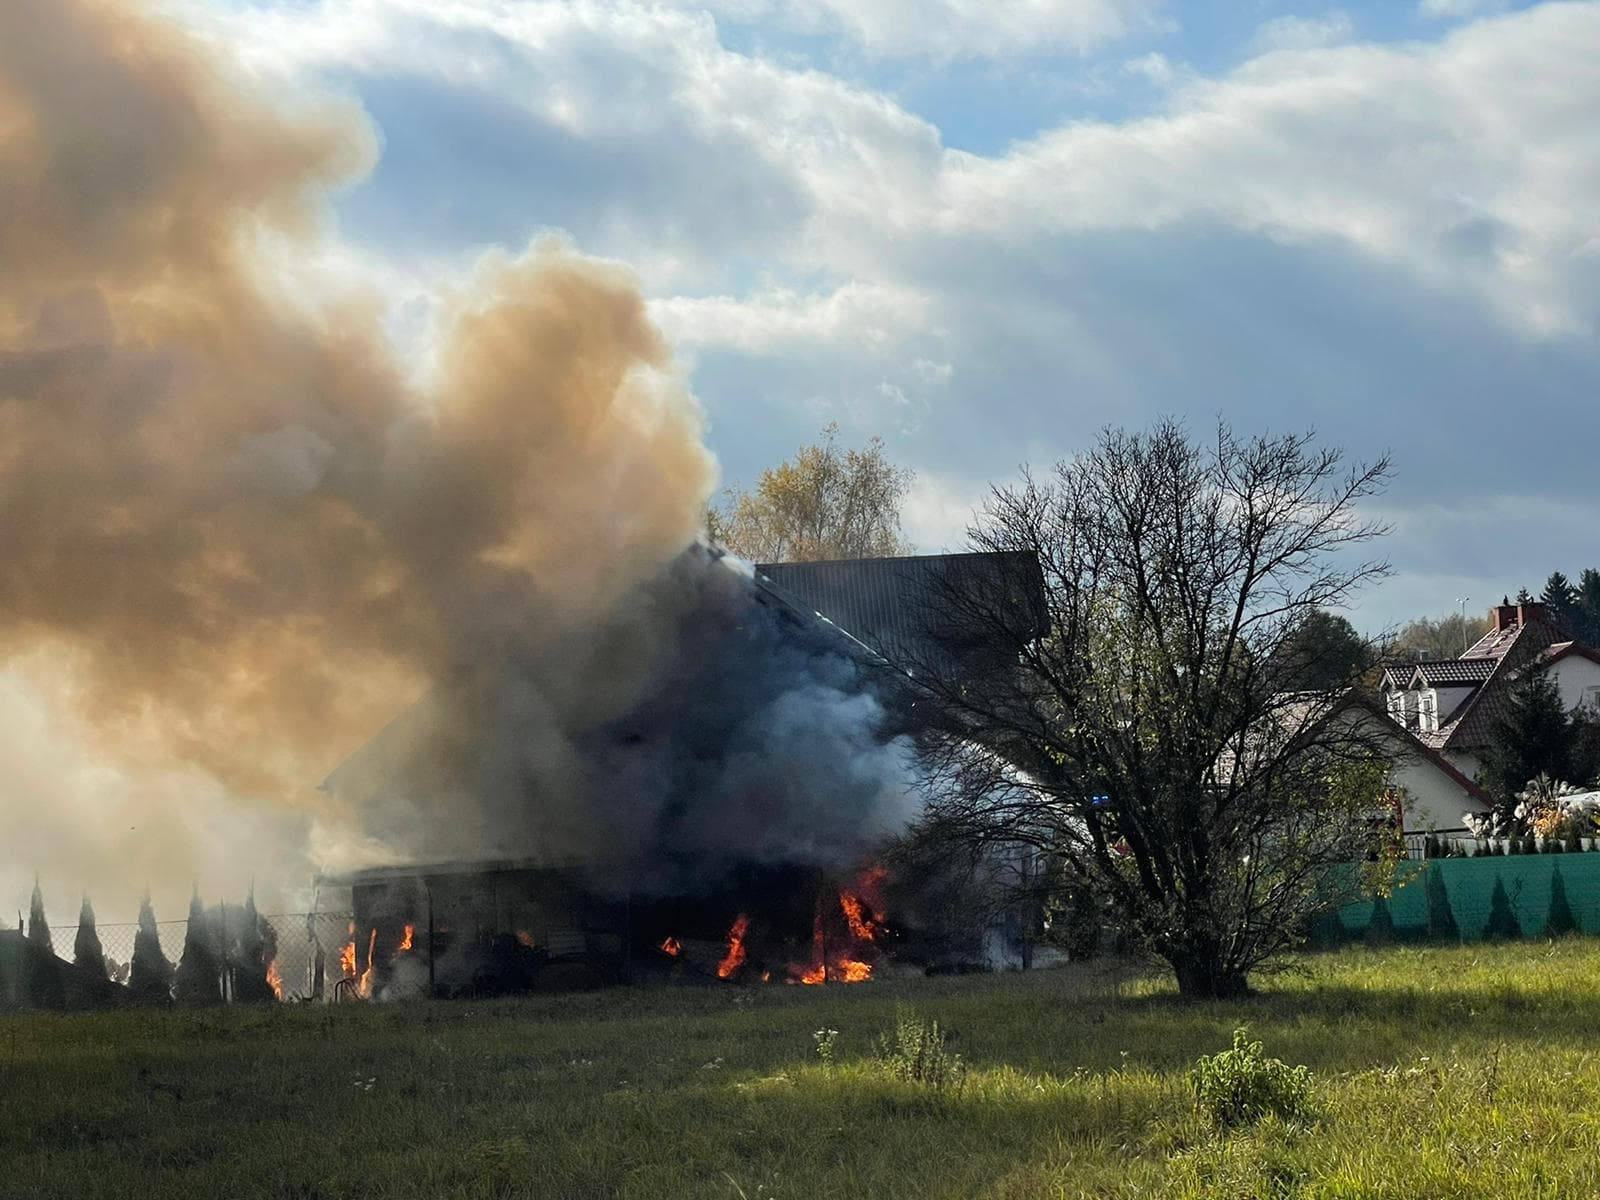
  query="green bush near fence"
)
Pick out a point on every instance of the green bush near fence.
point(1492, 898)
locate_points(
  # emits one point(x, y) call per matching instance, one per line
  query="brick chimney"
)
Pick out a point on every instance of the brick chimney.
point(1508, 616)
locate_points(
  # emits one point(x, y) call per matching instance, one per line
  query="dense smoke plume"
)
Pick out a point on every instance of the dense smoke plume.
point(241, 531)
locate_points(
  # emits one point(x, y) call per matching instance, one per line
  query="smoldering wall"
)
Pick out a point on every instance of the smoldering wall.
point(240, 530)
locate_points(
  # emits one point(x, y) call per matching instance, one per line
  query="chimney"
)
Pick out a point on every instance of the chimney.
point(1509, 616)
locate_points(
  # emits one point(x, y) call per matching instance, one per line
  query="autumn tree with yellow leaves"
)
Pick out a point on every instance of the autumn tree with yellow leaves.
point(827, 502)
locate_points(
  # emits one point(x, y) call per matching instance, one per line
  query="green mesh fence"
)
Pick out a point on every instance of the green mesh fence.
point(1475, 899)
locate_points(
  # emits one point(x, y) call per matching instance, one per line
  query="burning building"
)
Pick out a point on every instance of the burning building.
point(721, 826)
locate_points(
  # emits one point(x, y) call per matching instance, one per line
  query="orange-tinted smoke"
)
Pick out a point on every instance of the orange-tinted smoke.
point(233, 532)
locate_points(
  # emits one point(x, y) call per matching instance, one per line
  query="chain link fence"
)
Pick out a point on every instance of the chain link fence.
point(297, 937)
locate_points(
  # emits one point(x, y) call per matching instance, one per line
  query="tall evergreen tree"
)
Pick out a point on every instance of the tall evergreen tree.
point(1535, 737)
point(38, 927)
point(86, 950)
point(256, 946)
point(200, 969)
point(150, 976)
point(1524, 596)
point(1587, 606)
point(1561, 598)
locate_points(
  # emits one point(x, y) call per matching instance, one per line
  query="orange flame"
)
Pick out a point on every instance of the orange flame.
point(347, 959)
point(275, 978)
point(838, 964)
point(672, 947)
point(364, 984)
point(735, 956)
point(407, 941)
point(525, 938)
point(855, 915)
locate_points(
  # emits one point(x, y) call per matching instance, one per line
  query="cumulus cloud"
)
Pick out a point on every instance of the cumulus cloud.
point(1391, 238)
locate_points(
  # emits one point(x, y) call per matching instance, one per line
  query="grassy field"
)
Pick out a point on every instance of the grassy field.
point(1438, 1073)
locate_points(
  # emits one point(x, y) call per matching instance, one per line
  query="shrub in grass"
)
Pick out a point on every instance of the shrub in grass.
point(1242, 1085)
point(916, 1051)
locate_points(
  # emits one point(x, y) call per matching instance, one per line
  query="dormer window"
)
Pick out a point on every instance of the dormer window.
point(1428, 710)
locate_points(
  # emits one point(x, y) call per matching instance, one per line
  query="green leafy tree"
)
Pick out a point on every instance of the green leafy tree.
point(1432, 639)
point(1147, 741)
point(1324, 651)
point(150, 974)
point(1536, 736)
point(825, 503)
point(86, 950)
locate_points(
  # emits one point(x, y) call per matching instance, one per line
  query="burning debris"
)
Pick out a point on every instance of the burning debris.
point(736, 955)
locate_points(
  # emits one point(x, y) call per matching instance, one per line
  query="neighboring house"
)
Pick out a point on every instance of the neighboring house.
point(1426, 793)
point(1454, 706)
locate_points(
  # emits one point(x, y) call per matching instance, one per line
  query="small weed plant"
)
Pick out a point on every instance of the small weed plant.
point(1242, 1085)
point(825, 1038)
point(916, 1051)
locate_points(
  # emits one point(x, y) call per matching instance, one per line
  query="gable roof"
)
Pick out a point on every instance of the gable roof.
point(1455, 672)
point(1489, 666)
point(899, 606)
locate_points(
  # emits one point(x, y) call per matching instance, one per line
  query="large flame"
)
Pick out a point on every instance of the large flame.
point(364, 984)
point(839, 960)
point(275, 978)
point(735, 956)
point(347, 959)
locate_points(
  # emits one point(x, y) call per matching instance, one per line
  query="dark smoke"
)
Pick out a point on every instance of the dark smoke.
point(238, 536)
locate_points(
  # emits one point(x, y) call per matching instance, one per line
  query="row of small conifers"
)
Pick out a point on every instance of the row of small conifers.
point(228, 955)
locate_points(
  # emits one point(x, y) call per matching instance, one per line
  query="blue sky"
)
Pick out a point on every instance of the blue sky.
point(983, 230)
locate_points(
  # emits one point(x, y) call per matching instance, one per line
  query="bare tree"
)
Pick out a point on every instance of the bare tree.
point(1145, 741)
point(826, 503)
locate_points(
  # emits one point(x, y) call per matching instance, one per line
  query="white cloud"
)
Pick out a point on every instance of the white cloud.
point(938, 509)
point(863, 316)
point(1469, 164)
point(1303, 33)
point(1458, 8)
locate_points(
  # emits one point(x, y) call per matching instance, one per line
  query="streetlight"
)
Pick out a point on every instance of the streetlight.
point(1465, 644)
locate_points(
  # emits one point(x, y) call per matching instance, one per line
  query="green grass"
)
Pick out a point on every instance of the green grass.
point(1438, 1073)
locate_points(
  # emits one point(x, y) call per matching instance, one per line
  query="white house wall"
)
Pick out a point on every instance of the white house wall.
point(1578, 680)
point(1433, 800)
